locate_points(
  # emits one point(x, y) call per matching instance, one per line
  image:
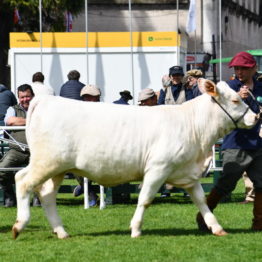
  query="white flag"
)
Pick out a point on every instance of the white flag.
point(191, 18)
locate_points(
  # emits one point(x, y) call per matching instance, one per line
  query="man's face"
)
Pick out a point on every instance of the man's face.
point(89, 98)
point(25, 98)
point(192, 81)
point(244, 74)
point(176, 79)
point(152, 101)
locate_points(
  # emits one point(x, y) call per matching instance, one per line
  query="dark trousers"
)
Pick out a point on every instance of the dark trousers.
point(235, 163)
point(12, 158)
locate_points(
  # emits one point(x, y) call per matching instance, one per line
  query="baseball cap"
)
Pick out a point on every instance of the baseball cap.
point(91, 90)
point(145, 94)
point(176, 70)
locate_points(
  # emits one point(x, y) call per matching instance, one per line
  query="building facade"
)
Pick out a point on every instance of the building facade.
point(240, 23)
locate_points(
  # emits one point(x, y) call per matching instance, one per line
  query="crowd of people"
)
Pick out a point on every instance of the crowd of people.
point(242, 149)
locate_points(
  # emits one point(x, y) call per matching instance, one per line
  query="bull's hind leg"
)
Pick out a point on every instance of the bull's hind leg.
point(151, 184)
point(47, 193)
point(23, 191)
point(198, 197)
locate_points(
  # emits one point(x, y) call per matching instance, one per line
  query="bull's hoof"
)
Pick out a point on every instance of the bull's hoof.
point(61, 235)
point(15, 232)
point(220, 233)
point(135, 234)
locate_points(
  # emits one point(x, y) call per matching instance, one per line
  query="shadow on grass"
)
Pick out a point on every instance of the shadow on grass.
point(174, 199)
point(70, 201)
point(169, 232)
point(6, 229)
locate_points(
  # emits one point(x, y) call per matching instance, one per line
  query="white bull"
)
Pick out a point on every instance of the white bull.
point(113, 144)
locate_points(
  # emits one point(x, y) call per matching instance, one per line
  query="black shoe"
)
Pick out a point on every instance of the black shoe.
point(78, 190)
point(165, 195)
point(36, 202)
point(10, 202)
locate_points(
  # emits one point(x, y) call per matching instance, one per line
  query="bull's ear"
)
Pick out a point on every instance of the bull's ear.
point(207, 86)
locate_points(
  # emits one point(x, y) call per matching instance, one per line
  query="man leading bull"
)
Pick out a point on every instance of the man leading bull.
point(242, 148)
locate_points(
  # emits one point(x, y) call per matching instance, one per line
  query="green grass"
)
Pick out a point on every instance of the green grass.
point(169, 233)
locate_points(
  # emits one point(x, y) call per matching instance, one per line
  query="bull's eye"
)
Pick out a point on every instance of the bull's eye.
point(235, 101)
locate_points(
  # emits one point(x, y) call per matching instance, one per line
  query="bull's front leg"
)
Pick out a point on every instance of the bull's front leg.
point(151, 184)
point(198, 197)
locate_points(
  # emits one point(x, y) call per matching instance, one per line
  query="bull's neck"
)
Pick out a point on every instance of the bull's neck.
point(212, 124)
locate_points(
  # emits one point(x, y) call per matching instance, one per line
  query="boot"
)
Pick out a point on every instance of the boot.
point(257, 211)
point(212, 200)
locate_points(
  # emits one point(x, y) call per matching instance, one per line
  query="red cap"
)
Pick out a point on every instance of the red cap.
point(242, 59)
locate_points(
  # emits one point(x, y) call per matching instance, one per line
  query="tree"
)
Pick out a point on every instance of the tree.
point(53, 19)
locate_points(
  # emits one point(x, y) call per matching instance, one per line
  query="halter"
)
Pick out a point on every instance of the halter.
point(233, 120)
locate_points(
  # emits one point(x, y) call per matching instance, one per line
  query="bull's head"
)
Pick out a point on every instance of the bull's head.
point(230, 102)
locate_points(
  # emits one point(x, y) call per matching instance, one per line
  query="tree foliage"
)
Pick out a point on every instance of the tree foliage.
point(53, 19)
point(53, 13)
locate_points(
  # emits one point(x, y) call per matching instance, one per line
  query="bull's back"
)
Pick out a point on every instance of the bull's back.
point(95, 137)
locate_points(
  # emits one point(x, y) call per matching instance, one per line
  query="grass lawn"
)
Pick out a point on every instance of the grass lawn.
point(169, 233)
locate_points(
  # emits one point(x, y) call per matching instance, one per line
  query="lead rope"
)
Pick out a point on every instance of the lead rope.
point(233, 120)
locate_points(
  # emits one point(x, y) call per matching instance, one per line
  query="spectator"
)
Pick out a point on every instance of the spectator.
point(72, 88)
point(191, 79)
point(38, 85)
point(173, 91)
point(7, 98)
point(147, 97)
point(89, 93)
point(16, 157)
point(242, 148)
point(125, 97)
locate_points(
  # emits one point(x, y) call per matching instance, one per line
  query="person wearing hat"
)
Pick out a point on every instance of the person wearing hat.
point(190, 81)
point(173, 91)
point(89, 93)
point(242, 148)
point(125, 97)
point(147, 97)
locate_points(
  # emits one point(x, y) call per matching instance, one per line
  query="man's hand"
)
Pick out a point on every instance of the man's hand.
point(166, 81)
point(243, 92)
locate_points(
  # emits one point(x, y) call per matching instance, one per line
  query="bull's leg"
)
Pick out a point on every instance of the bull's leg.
point(47, 193)
point(23, 201)
point(150, 186)
point(198, 197)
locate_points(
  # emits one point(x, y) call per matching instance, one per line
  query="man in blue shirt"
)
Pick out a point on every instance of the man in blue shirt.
point(125, 97)
point(242, 148)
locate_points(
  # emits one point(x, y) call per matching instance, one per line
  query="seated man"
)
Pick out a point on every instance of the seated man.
point(89, 93)
point(16, 156)
point(147, 97)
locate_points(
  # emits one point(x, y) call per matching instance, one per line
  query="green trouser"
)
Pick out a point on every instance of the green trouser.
point(12, 158)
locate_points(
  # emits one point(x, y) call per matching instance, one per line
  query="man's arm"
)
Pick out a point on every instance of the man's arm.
point(12, 120)
point(15, 121)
